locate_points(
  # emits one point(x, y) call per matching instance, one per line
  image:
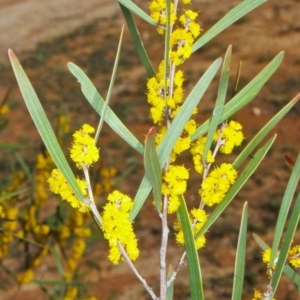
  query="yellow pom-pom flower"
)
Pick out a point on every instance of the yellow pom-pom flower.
point(174, 184)
point(266, 257)
point(294, 256)
point(198, 218)
point(84, 151)
point(197, 150)
point(117, 227)
point(231, 136)
point(58, 185)
point(217, 183)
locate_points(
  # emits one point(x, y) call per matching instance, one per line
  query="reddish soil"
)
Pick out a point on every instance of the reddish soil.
point(256, 39)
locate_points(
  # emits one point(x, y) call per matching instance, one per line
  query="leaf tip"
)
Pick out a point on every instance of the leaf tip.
point(289, 160)
point(296, 98)
point(11, 54)
point(151, 132)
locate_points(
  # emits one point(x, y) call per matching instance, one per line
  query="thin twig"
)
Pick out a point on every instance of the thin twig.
point(163, 250)
point(135, 271)
point(92, 205)
point(175, 272)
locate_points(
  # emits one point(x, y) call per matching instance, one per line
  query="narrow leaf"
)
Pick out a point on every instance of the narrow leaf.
point(166, 146)
point(137, 41)
point(97, 102)
point(263, 132)
point(195, 276)
point(111, 84)
point(4, 146)
point(217, 113)
point(245, 95)
point(175, 131)
point(140, 197)
point(287, 242)
point(12, 194)
point(289, 272)
point(235, 14)
point(153, 170)
point(239, 269)
point(24, 166)
point(264, 246)
point(241, 180)
point(284, 208)
point(56, 253)
point(43, 126)
point(137, 11)
point(287, 269)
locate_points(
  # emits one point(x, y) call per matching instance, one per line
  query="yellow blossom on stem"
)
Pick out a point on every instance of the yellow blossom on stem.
point(181, 43)
point(217, 183)
point(266, 257)
point(174, 184)
point(258, 295)
point(158, 13)
point(188, 21)
point(197, 150)
point(198, 218)
point(63, 233)
point(4, 109)
point(26, 277)
point(42, 229)
point(58, 185)
point(294, 256)
point(82, 232)
point(78, 248)
point(231, 137)
point(117, 226)
point(84, 151)
point(182, 39)
point(71, 293)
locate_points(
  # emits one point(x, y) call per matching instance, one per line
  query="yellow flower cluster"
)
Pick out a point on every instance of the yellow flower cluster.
point(158, 12)
point(59, 229)
point(165, 92)
point(198, 218)
point(217, 183)
point(84, 151)
point(266, 257)
point(32, 224)
point(44, 165)
point(156, 95)
point(58, 185)
point(231, 136)
point(9, 212)
point(63, 127)
point(26, 277)
point(174, 184)
point(294, 256)
point(258, 295)
point(197, 150)
point(182, 38)
point(161, 109)
point(8, 225)
point(4, 109)
point(72, 293)
point(117, 227)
